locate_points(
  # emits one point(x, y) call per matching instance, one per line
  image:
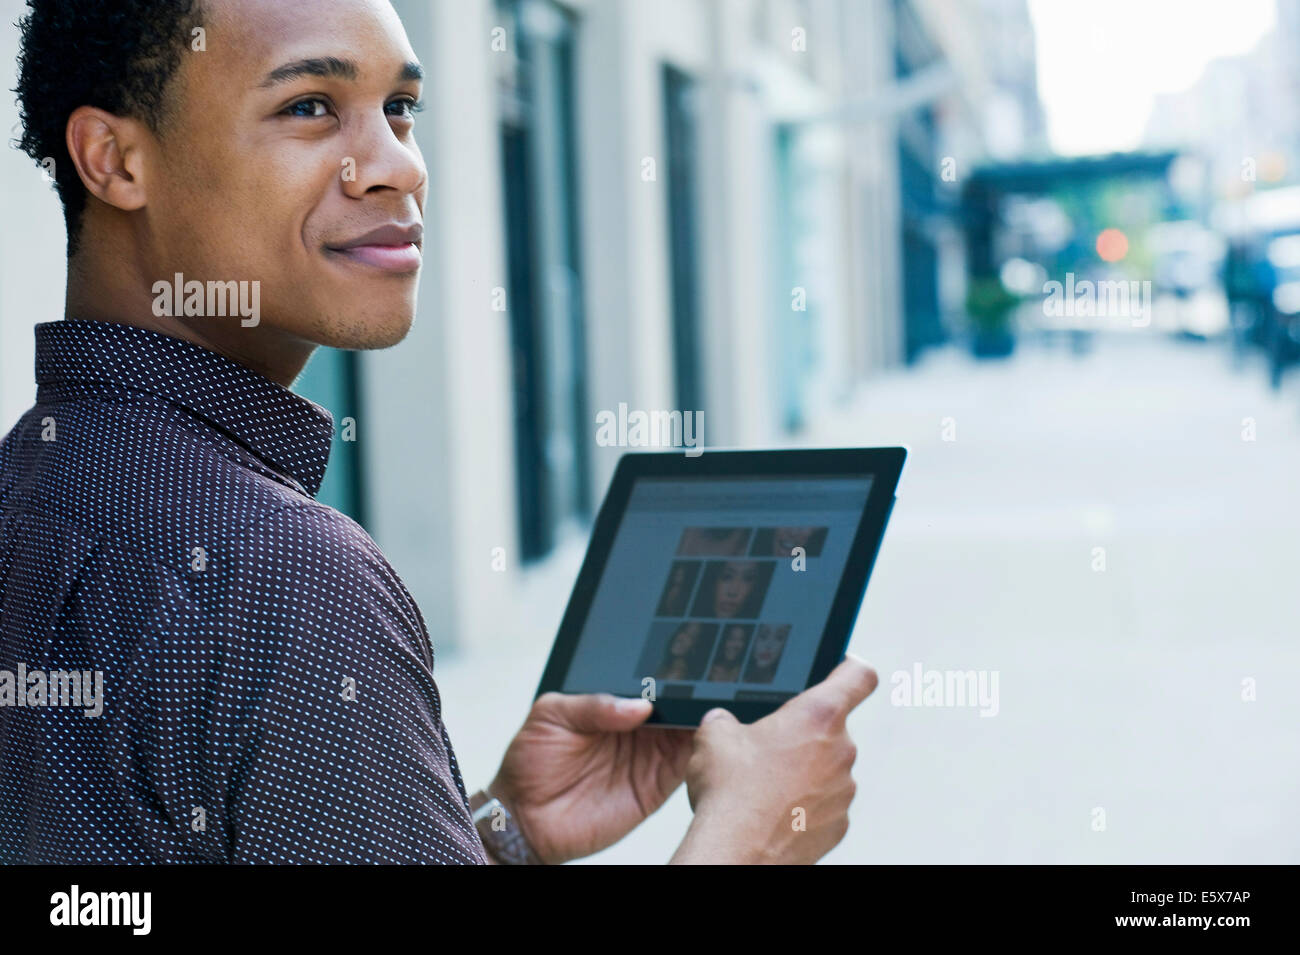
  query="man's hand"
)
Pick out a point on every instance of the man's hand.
point(777, 790)
point(582, 772)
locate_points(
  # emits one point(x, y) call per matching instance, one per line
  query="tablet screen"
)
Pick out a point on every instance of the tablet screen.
point(718, 588)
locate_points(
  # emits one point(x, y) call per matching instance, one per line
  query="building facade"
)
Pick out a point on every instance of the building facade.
point(728, 207)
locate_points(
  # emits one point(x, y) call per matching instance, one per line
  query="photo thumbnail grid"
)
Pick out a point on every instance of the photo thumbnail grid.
point(718, 582)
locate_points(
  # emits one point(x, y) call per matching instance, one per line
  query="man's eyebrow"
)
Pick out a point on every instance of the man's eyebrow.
point(331, 67)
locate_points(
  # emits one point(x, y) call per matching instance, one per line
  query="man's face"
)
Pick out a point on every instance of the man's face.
point(292, 142)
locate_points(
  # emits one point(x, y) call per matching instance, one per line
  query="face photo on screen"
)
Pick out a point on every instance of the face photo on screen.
point(769, 645)
point(677, 590)
point(781, 541)
point(686, 651)
point(730, 655)
point(714, 542)
point(733, 588)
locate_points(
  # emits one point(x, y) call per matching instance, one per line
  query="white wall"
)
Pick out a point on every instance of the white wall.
point(622, 48)
point(33, 267)
point(440, 465)
point(875, 262)
point(738, 220)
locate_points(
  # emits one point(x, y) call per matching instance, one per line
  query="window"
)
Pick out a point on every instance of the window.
point(544, 294)
point(681, 131)
point(332, 380)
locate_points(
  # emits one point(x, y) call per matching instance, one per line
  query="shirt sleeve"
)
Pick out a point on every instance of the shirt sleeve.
point(339, 753)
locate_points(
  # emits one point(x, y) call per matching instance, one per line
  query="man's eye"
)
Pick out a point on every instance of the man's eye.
point(310, 108)
point(405, 107)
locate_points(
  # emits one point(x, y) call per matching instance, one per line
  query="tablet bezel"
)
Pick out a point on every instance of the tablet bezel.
point(882, 465)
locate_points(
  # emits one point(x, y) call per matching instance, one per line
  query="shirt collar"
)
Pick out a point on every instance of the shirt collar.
point(287, 431)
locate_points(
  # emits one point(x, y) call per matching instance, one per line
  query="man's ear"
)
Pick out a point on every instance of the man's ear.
point(109, 155)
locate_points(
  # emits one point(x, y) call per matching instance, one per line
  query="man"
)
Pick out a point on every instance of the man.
point(267, 681)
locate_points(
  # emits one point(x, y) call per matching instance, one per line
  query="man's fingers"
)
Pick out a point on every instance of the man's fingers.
point(847, 685)
point(592, 712)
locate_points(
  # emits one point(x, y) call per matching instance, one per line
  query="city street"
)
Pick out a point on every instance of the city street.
point(1100, 534)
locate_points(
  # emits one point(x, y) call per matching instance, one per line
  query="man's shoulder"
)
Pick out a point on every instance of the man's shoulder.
point(140, 473)
point(159, 492)
point(305, 537)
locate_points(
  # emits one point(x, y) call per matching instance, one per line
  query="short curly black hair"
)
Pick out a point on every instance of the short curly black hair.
point(118, 55)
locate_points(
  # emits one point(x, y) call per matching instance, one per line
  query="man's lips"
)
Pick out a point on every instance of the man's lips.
point(391, 248)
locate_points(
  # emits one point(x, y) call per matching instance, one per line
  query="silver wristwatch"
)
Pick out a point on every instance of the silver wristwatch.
point(500, 832)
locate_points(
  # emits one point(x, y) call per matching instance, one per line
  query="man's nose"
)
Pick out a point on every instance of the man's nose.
point(382, 160)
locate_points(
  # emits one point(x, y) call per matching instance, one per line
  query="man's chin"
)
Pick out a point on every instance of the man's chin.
point(366, 331)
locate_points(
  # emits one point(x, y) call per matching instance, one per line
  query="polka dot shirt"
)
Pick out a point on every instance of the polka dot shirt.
point(267, 680)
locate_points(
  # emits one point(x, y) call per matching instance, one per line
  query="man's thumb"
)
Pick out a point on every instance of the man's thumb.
point(717, 715)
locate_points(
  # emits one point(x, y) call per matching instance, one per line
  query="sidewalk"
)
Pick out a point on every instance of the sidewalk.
point(1119, 690)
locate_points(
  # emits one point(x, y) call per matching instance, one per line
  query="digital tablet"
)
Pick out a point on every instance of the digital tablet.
point(732, 578)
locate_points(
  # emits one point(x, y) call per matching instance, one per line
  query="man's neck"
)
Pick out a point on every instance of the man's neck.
point(110, 292)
